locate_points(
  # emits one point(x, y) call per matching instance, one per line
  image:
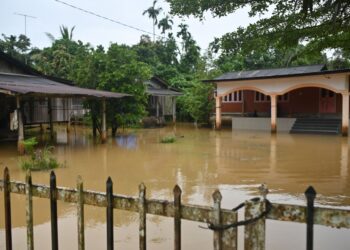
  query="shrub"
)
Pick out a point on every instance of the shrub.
point(29, 145)
point(40, 159)
point(168, 139)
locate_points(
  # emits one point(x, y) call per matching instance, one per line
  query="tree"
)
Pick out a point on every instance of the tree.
point(16, 47)
point(165, 24)
point(197, 101)
point(320, 24)
point(153, 13)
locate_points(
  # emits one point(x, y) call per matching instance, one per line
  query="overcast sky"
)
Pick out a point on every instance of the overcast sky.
point(50, 14)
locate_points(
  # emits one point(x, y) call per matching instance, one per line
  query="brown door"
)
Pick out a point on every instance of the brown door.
point(327, 101)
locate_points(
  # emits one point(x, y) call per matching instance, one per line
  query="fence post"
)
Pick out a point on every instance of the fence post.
point(80, 213)
point(7, 206)
point(217, 197)
point(109, 193)
point(29, 211)
point(142, 213)
point(310, 194)
point(229, 236)
point(177, 217)
point(254, 234)
point(53, 206)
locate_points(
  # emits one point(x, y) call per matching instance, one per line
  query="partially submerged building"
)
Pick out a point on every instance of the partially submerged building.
point(28, 97)
point(162, 99)
point(305, 99)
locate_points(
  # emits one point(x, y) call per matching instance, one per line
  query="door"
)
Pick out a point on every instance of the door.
point(327, 101)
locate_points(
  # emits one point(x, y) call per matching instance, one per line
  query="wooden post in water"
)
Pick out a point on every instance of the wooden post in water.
point(142, 213)
point(254, 233)
point(53, 207)
point(50, 118)
point(104, 122)
point(217, 197)
point(29, 211)
point(109, 193)
point(20, 145)
point(80, 213)
point(177, 217)
point(7, 206)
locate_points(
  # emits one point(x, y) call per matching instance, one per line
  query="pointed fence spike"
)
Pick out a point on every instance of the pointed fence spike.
point(177, 190)
point(217, 197)
point(310, 193)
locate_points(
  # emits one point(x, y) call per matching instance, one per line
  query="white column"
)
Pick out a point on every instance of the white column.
point(20, 139)
point(273, 113)
point(218, 100)
point(104, 124)
point(345, 113)
point(174, 109)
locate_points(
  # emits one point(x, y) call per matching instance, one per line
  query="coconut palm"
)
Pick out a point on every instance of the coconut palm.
point(153, 13)
point(66, 34)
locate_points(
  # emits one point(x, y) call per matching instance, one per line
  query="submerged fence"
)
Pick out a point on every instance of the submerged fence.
point(223, 222)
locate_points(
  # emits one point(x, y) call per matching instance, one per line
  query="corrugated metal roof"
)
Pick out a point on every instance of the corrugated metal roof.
point(162, 92)
point(266, 73)
point(29, 84)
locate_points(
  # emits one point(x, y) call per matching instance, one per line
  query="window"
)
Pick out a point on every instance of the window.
point(260, 97)
point(236, 96)
point(283, 98)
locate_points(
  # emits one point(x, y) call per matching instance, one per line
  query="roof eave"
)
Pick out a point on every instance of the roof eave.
point(279, 76)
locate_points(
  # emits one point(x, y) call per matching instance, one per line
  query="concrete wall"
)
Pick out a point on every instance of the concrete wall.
point(261, 123)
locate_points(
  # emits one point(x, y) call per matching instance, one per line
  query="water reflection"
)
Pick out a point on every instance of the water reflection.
point(200, 161)
point(128, 141)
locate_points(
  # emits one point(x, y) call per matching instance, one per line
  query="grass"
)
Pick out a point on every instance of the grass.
point(168, 139)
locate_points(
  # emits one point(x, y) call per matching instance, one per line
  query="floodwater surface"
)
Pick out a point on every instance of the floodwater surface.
point(200, 161)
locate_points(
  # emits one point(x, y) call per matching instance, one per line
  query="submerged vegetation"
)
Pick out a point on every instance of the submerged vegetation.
point(168, 139)
point(37, 159)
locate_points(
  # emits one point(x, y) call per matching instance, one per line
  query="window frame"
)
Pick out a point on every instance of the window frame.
point(230, 98)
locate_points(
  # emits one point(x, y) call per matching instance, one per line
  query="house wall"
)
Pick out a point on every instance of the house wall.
point(301, 101)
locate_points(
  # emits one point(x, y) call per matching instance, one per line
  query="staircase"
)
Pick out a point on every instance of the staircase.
point(316, 126)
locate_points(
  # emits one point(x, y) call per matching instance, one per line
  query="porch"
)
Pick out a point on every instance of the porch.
point(281, 96)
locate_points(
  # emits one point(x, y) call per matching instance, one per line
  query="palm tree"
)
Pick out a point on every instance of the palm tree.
point(66, 34)
point(153, 13)
point(165, 24)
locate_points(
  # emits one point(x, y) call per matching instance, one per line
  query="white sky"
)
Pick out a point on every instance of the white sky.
point(51, 14)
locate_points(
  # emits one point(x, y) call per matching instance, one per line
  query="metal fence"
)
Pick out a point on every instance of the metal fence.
point(223, 222)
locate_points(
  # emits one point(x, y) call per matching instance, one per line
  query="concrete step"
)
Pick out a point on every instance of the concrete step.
point(316, 126)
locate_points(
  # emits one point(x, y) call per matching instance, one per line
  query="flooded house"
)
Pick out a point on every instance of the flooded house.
point(28, 97)
point(162, 99)
point(304, 99)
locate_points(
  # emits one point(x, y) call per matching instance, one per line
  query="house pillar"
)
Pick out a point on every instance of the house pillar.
point(104, 123)
point(20, 145)
point(157, 106)
point(49, 101)
point(345, 113)
point(174, 109)
point(218, 100)
point(273, 113)
point(67, 114)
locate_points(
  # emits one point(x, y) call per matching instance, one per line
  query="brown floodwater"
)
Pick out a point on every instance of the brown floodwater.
point(200, 161)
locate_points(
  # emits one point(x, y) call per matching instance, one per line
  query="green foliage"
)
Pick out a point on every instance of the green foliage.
point(40, 159)
point(29, 145)
point(282, 25)
point(17, 47)
point(197, 101)
point(168, 139)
